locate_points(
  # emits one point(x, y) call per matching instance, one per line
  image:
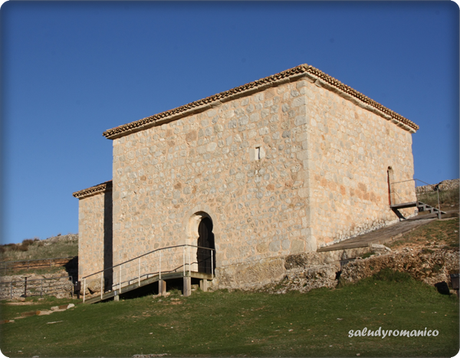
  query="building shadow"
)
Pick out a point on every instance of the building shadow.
point(108, 240)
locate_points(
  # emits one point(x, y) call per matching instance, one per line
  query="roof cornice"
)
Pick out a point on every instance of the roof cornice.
point(313, 74)
point(94, 190)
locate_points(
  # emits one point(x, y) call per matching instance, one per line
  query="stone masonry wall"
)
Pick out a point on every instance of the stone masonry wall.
point(235, 162)
point(349, 152)
point(59, 285)
point(91, 234)
point(280, 172)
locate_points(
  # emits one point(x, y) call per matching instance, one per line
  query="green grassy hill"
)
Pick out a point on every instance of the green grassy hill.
point(320, 323)
point(35, 249)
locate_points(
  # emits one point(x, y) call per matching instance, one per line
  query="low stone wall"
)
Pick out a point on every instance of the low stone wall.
point(13, 287)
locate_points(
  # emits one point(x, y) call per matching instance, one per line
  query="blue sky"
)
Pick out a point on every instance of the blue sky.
point(71, 70)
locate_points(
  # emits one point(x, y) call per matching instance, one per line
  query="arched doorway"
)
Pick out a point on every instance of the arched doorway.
point(206, 258)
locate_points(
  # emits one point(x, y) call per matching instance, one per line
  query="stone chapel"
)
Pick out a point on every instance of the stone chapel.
point(235, 182)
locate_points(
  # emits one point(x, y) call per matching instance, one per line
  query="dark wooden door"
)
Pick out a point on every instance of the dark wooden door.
point(205, 240)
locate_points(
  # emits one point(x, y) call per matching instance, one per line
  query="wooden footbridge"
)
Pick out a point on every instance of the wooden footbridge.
point(172, 262)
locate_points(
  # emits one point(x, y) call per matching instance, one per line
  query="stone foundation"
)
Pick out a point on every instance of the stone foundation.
point(255, 275)
point(251, 275)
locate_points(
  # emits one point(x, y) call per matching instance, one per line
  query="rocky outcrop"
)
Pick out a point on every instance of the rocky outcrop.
point(308, 270)
point(444, 185)
point(306, 279)
point(61, 238)
point(429, 266)
point(422, 264)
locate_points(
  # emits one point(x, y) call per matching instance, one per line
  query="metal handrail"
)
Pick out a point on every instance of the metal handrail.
point(147, 253)
point(138, 277)
point(415, 180)
point(403, 181)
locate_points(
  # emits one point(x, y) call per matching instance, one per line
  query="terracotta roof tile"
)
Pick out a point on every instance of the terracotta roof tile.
point(292, 74)
point(94, 190)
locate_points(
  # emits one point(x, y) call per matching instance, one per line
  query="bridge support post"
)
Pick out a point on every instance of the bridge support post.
point(204, 285)
point(187, 291)
point(162, 287)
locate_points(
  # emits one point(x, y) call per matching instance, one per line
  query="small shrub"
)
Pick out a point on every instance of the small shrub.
point(27, 242)
point(23, 247)
point(13, 247)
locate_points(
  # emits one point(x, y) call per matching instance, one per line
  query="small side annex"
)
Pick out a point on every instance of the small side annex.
point(279, 166)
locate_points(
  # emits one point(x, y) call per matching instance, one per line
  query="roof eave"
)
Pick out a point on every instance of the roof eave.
point(94, 190)
point(290, 75)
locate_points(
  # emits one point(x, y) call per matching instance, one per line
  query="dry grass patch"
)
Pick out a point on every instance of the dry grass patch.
point(435, 235)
